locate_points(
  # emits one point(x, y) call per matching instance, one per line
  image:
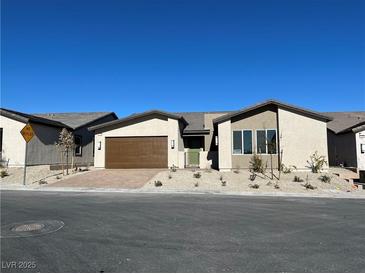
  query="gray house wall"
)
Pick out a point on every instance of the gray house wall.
point(342, 149)
point(43, 151)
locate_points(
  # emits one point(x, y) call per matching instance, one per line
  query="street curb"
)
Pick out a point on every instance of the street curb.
point(141, 191)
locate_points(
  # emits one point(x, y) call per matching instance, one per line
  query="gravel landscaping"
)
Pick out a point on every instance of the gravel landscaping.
point(239, 181)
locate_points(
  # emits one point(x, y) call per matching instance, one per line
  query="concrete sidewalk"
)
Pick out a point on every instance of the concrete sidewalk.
point(349, 195)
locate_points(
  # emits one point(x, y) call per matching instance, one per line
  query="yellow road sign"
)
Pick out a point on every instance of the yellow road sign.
point(27, 132)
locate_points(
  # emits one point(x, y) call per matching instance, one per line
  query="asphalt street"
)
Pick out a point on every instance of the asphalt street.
point(182, 233)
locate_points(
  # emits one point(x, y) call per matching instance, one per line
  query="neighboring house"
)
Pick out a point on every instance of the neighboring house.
point(223, 140)
point(346, 139)
point(41, 150)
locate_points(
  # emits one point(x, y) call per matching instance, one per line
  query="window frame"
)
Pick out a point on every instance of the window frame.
point(233, 153)
point(80, 145)
point(266, 144)
point(242, 142)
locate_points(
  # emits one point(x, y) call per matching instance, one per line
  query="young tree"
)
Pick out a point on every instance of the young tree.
point(66, 145)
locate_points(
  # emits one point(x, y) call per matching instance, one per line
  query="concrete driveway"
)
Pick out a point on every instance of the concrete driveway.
point(110, 178)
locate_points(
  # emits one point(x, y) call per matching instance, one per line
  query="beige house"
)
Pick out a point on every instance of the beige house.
point(280, 133)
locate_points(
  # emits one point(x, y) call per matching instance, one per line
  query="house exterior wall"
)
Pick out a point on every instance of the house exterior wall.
point(300, 136)
point(342, 149)
point(265, 119)
point(360, 139)
point(225, 146)
point(42, 149)
point(209, 142)
point(13, 143)
point(147, 127)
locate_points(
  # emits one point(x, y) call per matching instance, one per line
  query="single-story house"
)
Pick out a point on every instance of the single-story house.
point(346, 139)
point(41, 149)
point(285, 133)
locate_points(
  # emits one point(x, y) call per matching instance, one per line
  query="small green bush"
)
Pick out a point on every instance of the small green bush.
point(42, 182)
point(169, 176)
point(256, 186)
point(197, 175)
point(316, 162)
point(298, 179)
point(158, 183)
point(309, 186)
point(173, 168)
point(4, 173)
point(287, 170)
point(257, 164)
point(325, 179)
point(221, 178)
point(276, 186)
point(196, 184)
point(224, 183)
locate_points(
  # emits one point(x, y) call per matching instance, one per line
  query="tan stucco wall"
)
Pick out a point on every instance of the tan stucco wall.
point(299, 137)
point(225, 146)
point(13, 142)
point(360, 139)
point(208, 124)
point(267, 119)
point(151, 127)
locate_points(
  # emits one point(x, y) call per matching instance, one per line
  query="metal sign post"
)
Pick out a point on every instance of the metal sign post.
point(27, 133)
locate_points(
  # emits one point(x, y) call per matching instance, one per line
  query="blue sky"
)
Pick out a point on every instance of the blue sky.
point(131, 56)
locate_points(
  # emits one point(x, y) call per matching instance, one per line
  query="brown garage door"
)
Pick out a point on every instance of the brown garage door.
point(136, 152)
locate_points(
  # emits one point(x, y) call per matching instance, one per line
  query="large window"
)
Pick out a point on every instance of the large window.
point(242, 142)
point(237, 142)
point(78, 145)
point(261, 141)
point(247, 141)
point(266, 141)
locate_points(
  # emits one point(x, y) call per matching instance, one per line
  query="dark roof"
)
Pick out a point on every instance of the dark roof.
point(76, 119)
point(26, 118)
point(345, 121)
point(137, 116)
point(195, 120)
point(310, 113)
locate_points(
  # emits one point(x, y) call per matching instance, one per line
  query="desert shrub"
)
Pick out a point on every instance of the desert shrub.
point(316, 162)
point(196, 184)
point(197, 175)
point(256, 186)
point(309, 186)
point(297, 179)
point(236, 171)
point(325, 178)
point(58, 177)
point(169, 176)
point(276, 186)
point(269, 183)
point(173, 168)
point(257, 164)
point(224, 183)
point(221, 178)
point(287, 170)
point(4, 173)
point(158, 183)
point(42, 182)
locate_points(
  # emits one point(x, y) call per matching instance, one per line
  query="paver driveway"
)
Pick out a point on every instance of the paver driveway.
point(110, 178)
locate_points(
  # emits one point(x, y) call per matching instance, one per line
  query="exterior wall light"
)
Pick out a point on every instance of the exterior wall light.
point(99, 145)
point(172, 144)
point(216, 140)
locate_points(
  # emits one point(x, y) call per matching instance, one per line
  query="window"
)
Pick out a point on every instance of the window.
point(261, 141)
point(266, 141)
point(1, 143)
point(242, 142)
point(237, 142)
point(78, 145)
point(247, 141)
point(271, 141)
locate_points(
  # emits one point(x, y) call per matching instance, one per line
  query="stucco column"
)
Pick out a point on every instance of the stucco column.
point(225, 146)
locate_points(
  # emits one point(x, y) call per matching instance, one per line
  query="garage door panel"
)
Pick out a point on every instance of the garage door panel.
point(136, 152)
